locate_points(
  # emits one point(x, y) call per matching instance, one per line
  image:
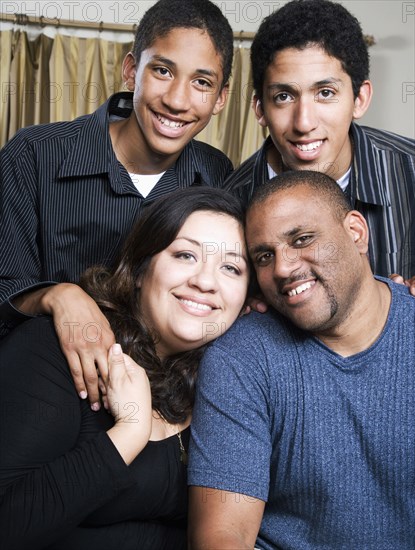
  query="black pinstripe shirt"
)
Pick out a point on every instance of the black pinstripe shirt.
point(66, 202)
point(381, 187)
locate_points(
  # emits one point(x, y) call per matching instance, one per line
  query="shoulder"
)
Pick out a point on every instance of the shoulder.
point(208, 152)
point(32, 136)
point(254, 336)
point(213, 165)
point(403, 303)
point(244, 173)
point(33, 346)
point(387, 141)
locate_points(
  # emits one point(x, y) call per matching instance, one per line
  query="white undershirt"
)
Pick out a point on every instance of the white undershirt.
point(145, 183)
point(343, 181)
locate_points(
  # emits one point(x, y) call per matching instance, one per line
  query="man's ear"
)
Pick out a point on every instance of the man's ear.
point(363, 99)
point(129, 69)
point(221, 101)
point(356, 226)
point(259, 112)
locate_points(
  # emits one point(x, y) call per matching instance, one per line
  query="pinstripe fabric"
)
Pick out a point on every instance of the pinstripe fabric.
point(67, 203)
point(382, 188)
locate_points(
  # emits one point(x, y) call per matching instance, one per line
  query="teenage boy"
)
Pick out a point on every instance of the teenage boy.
point(70, 191)
point(311, 77)
point(303, 430)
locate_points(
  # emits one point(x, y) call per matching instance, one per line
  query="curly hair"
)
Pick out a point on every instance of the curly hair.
point(172, 379)
point(303, 23)
point(167, 15)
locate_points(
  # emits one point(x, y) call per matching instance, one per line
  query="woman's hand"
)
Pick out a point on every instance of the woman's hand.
point(129, 400)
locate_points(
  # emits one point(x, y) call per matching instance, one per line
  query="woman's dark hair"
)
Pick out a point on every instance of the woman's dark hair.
point(172, 380)
point(167, 15)
point(302, 23)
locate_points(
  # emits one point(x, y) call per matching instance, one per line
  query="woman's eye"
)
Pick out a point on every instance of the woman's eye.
point(184, 256)
point(232, 269)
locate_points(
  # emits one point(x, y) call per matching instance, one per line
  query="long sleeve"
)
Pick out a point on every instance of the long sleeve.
point(57, 464)
point(20, 265)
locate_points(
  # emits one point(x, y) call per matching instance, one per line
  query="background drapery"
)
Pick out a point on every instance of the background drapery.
point(53, 79)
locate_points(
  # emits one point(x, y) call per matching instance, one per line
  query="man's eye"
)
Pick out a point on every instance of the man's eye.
point(325, 94)
point(303, 240)
point(283, 97)
point(264, 259)
point(203, 83)
point(162, 71)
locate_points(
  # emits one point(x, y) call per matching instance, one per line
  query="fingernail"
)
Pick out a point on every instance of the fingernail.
point(83, 394)
point(95, 407)
point(116, 349)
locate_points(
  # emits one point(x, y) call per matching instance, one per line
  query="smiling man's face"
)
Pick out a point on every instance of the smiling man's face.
point(308, 106)
point(177, 87)
point(306, 261)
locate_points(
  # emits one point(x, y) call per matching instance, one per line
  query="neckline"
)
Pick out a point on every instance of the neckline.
point(184, 431)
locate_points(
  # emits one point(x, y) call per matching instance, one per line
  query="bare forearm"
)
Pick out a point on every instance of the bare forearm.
point(218, 540)
point(221, 520)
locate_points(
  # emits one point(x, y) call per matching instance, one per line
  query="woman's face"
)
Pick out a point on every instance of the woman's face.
point(194, 290)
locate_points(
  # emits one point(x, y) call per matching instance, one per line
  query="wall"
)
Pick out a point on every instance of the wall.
point(391, 22)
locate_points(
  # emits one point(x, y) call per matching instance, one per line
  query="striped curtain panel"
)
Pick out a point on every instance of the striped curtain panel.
point(53, 79)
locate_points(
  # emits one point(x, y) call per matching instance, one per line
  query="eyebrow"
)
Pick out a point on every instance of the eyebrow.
point(270, 245)
point(293, 86)
point(173, 65)
point(200, 245)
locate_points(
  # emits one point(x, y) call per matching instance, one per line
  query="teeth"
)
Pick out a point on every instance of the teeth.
point(299, 289)
point(170, 123)
point(309, 146)
point(196, 305)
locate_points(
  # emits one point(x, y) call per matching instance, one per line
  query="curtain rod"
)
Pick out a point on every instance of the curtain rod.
point(23, 19)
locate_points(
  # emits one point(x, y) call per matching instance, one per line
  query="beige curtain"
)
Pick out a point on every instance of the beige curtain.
point(47, 80)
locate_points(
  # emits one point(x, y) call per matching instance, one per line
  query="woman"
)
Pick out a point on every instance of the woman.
point(74, 478)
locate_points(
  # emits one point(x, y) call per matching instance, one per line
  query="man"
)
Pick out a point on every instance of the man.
point(70, 191)
point(311, 77)
point(304, 428)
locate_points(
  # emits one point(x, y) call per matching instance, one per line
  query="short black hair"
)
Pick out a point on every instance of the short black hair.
point(321, 184)
point(303, 23)
point(167, 15)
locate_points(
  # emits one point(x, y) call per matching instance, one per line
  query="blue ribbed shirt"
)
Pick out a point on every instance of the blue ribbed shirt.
point(327, 441)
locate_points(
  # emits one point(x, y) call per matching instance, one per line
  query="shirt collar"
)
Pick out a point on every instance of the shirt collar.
point(93, 154)
point(260, 168)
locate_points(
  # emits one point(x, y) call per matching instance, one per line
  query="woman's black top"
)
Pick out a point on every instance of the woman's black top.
point(63, 484)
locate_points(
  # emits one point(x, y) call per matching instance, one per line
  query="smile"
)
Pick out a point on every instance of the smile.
point(196, 305)
point(309, 146)
point(301, 288)
point(169, 123)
